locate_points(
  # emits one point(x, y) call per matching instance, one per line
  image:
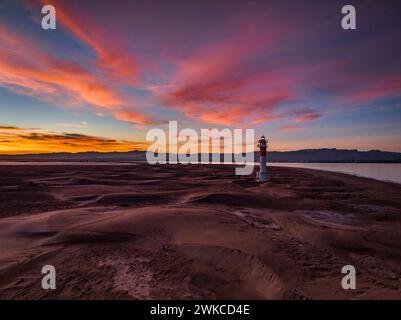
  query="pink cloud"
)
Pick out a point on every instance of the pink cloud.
point(24, 65)
point(386, 86)
point(214, 85)
point(26, 69)
point(306, 115)
point(246, 72)
point(112, 58)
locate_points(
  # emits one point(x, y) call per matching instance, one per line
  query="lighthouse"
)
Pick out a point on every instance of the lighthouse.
point(262, 175)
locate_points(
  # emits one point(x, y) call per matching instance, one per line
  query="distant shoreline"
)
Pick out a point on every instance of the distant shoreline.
point(324, 155)
point(385, 172)
point(134, 161)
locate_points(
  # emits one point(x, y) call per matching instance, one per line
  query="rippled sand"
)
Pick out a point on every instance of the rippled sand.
point(196, 232)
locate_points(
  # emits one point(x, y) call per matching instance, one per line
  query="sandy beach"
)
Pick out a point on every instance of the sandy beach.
point(196, 232)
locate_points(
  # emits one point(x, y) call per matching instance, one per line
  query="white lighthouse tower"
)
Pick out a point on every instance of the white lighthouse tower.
point(262, 174)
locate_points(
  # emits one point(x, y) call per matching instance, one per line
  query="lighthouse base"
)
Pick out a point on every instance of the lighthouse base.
point(262, 177)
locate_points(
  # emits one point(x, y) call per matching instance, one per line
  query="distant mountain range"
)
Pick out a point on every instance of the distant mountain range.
point(308, 155)
point(334, 155)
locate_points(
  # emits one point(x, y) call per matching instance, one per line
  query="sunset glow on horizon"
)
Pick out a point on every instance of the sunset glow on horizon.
point(113, 70)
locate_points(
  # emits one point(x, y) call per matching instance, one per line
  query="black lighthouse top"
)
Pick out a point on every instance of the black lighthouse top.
point(262, 142)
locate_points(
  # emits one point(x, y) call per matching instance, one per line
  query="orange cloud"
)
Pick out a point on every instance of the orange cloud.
point(14, 140)
point(132, 117)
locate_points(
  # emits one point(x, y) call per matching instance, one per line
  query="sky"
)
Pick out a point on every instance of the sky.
point(112, 70)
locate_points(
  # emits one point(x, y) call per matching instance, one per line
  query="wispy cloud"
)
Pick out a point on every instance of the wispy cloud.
point(8, 128)
point(215, 84)
point(305, 115)
point(112, 59)
point(26, 69)
point(291, 128)
point(24, 66)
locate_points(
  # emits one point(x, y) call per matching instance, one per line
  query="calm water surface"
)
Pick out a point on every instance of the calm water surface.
point(379, 171)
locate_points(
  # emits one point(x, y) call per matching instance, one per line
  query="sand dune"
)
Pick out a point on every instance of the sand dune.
point(196, 232)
